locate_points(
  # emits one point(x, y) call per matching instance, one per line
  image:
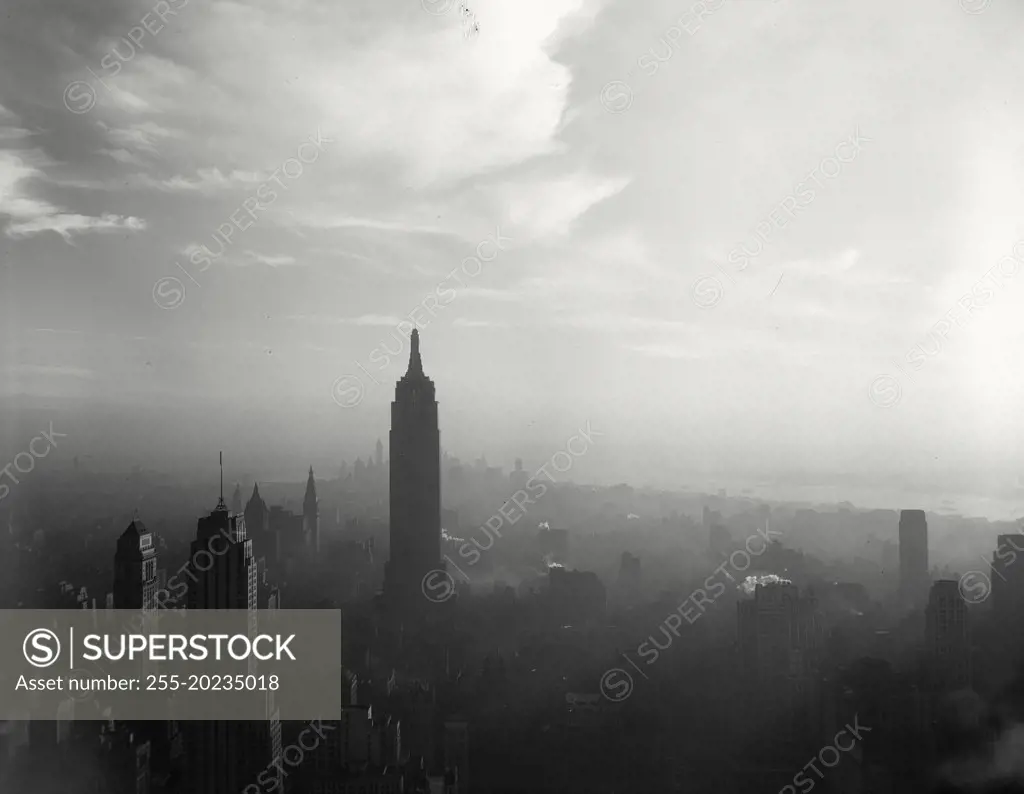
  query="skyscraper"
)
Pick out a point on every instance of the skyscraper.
point(226, 756)
point(947, 633)
point(311, 516)
point(135, 577)
point(1007, 579)
point(780, 638)
point(135, 582)
point(914, 580)
point(415, 451)
point(230, 582)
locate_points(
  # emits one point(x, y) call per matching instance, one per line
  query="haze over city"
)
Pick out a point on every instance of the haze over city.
point(621, 165)
point(567, 396)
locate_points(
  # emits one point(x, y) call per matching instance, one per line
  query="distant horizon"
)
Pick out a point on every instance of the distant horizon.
point(862, 499)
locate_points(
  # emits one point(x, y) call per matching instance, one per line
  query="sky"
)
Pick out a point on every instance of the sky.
point(734, 236)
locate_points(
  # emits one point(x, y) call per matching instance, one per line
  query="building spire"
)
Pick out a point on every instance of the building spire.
point(309, 503)
point(220, 502)
point(415, 362)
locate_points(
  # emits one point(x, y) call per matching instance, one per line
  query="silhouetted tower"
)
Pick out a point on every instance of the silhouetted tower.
point(914, 579)
point(415, 452)
point(221, 754)
point(779, 635)
point(947, 632)
point(1007, 580)
point(230, 581)
point(236, 499)
point(518, 478)
point(257, 524)
point(380, 453)
point(135, 583)
point(311, 515)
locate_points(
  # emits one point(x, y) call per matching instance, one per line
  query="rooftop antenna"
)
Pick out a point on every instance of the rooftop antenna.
point(220, 502)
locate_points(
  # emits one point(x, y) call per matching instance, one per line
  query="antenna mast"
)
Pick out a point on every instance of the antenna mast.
point(220, 502)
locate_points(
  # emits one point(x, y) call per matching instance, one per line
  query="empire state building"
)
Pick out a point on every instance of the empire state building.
point(415, 483)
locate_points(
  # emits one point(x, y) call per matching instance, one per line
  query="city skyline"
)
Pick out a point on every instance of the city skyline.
point(490, 397)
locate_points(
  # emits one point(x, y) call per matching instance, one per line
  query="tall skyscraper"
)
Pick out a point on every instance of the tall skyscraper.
point(778, 633)
point(230, 582)
point(225, 756)
point(914, 579)
point(947, 632)
point(780, 638)
point(415, 451)
point(1008, 579)
point(311, 516)
point(135, 582)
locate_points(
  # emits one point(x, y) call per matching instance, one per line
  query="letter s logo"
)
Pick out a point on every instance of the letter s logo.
point(41, 648)
point(438, 586)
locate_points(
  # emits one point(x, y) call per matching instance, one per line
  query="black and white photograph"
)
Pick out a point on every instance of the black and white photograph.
point(511, 397)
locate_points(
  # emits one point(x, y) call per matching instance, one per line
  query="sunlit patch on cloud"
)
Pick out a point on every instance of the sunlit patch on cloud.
point(462, 322)
point(252, 257)
point(206, 181)
point(548, 208)
point(323, 219)
point(68, 224)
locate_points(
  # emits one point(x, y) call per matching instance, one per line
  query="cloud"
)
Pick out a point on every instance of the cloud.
point(207, 181)
point(365, 319)
point(462, 322)
point(14, 133)
point(269, 261)
point(489, 293)
point(31, 215)
point(325, 219)
point(548, 208)
point(374, 319)
point(122, 156)
point(66, 225)
point(144, 136)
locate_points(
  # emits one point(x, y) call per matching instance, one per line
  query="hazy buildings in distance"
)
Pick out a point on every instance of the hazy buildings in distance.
point(948, 636)
point(1008, 579)
point(913, 534)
